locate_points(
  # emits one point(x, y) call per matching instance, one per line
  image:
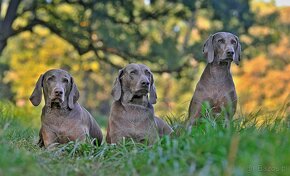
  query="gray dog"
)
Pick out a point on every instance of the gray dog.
point(132, 113)
point(62, 118)
point(216, 84)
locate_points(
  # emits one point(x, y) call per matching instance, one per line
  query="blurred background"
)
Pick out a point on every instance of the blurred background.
point(94, 39)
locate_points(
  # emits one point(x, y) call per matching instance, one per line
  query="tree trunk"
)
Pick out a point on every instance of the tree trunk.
point(6, 23)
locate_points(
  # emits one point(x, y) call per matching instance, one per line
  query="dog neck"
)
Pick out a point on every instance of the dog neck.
point(142, 101)
point(129, 98)
point(60, 109)
point(218, 71)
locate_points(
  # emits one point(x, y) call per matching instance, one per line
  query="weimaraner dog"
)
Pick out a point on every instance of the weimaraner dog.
point(62, 118)
point(132, 113)
point(216, 84)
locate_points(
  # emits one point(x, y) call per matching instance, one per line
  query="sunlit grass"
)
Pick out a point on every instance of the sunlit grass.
point(209, 149)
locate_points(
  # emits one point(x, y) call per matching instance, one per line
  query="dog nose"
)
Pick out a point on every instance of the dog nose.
point(58, 91)
point(230, 53)
point(145, 83)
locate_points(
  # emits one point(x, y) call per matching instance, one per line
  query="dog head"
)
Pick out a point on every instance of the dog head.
point(222, 47)
point(58, 88)
point(133, 83)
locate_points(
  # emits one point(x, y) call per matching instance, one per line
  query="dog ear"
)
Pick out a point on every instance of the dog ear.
point(36, 95)
point(153, 95)
point(117, 88)
point(208, 49)
point(73, 95)
point(238, 49)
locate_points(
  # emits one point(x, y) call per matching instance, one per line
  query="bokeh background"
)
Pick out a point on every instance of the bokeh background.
point(93, 39)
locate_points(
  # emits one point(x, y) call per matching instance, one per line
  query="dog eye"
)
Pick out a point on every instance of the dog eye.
point(147, 73)
point(133, 72)
point(233, 42)
point(51, 78)
point(221, 41)
point(65, 80)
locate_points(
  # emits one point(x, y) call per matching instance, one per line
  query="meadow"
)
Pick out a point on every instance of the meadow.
point(245, 148)
point(92, 40)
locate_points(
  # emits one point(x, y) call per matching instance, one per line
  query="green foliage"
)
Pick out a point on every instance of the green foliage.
point(160, 32)
point(93, 39)
point(25, 115)
point(209, 149)
point(5, 88)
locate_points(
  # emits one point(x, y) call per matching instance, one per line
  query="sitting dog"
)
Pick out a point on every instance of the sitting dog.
point(216, 84)
point(132, 113)
point(62, 118)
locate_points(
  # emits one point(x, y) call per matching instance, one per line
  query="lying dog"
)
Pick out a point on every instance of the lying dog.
point(62, 118)
point(132, 113)
point(216, 85)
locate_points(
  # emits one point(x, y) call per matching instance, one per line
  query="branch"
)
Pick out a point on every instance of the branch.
point(174, 70)
point(106, 60)
point(107, 50)
point(82, 3)
point(58, 32)
point(188, 32)
point(26, 28)
point(122, 54)
point(80, 50)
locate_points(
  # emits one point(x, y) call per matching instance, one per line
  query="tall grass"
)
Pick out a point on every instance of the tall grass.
point(209, 149)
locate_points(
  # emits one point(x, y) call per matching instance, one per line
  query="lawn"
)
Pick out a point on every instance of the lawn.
point(244, 148)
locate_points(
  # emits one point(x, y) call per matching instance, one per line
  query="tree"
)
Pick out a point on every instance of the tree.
point(118, 32)
point(6, 22)
point(166, 35)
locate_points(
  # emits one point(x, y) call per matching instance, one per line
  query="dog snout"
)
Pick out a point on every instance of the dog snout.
point(58, 91)
point(230, 52)
point(145, 83)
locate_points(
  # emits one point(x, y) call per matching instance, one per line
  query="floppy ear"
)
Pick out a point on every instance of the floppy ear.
point(73, 95)
point(36, 95)
point(117, 88)
point(237, 57)
point(208, 49)
point(153, 95)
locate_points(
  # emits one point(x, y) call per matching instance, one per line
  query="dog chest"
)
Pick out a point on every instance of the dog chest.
point(64, 128)
point(135, 122)
point(217, 95)
point(222, 99)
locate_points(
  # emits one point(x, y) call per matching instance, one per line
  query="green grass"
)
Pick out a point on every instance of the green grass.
point(209, 149)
